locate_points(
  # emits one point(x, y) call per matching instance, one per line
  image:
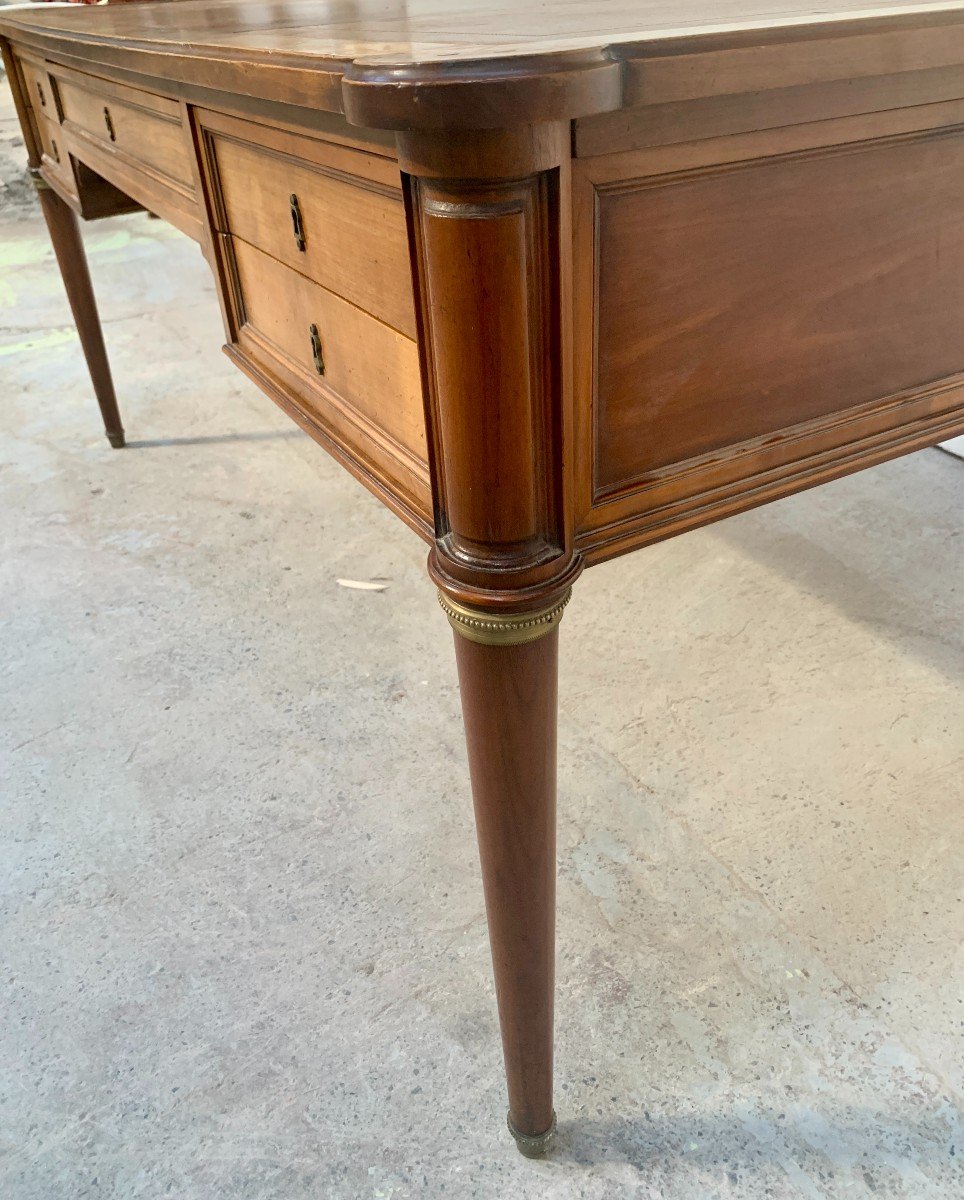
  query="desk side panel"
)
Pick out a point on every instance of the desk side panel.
point(763, 312)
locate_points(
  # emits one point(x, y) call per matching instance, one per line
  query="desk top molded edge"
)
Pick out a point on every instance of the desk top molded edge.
point(490, 84)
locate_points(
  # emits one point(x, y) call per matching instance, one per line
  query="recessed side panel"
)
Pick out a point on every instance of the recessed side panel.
point(744, 299)
point(755, 321)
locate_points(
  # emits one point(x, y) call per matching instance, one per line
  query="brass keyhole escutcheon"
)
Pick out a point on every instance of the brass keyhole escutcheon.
point(109, 123)
point(316, 352)
point(297, 224)
point(40, 93)
point(53, 147)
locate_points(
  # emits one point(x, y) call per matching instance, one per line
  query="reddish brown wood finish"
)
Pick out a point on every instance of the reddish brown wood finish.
point(71, 259)
point(509, 707)
point(795, 296)
point(489, 224)
point(350, 210)
point(69, 249)
point(668, 261)
point(137, 138)
point(489, 229)
point(761, 312)
point(496, 63)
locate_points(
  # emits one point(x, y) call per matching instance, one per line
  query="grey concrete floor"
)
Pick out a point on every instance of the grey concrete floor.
point(243, 951)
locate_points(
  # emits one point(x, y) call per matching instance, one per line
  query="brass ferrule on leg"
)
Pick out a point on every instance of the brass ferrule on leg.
point(509, 629)
point(38, 180)
point(533, 1146)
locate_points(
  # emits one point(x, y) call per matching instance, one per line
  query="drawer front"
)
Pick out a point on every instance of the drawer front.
point(339, 228)
point(372, 368)
point(56, 157)
point(51, 142)
point(144, 126)
point(40, 94)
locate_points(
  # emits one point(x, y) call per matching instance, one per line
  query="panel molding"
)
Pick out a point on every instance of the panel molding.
point(619, 514)
point(802, 434)
point(612, 533)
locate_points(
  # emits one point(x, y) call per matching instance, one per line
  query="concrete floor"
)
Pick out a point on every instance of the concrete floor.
point(243, 946)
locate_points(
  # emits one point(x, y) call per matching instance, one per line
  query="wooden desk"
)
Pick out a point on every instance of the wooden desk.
point(552, 284)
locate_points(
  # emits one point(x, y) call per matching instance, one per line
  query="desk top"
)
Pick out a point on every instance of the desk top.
point(441, 31)
point(565, 59)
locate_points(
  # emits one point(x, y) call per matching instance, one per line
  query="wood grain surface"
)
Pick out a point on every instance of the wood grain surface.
point(422, 31)
point(349, 211)
point(622, 269)
point(431, 64)
point(509, 705)
point(743, 299)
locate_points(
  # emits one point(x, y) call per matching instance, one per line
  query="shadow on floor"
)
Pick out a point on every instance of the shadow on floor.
point(795, 1140)
point(216, 438)
point(851, 590)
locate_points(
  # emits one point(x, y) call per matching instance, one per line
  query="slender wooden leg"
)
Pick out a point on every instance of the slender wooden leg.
point(69, 249)
point(509, 706)
point(489, 230)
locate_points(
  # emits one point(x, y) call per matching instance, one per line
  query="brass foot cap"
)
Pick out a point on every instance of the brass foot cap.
point(116, 439)
point(533, 1145)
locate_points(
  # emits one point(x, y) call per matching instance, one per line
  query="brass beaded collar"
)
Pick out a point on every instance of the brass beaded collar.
point(510, 629)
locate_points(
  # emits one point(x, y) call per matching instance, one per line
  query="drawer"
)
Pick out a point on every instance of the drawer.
point(331, 344)
point(40, 94)
point(145, 127)
point(51, 142)
point(337, 217)
point(56, 157)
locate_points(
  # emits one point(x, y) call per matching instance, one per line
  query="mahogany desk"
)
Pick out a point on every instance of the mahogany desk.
point(552, 284)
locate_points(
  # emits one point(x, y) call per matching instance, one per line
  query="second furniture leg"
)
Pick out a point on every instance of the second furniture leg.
point(69, 249)
point(509, 702)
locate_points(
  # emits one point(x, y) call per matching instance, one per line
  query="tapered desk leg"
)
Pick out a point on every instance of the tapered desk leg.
point(488, 223)
point(509, 700)
point(69, 249)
